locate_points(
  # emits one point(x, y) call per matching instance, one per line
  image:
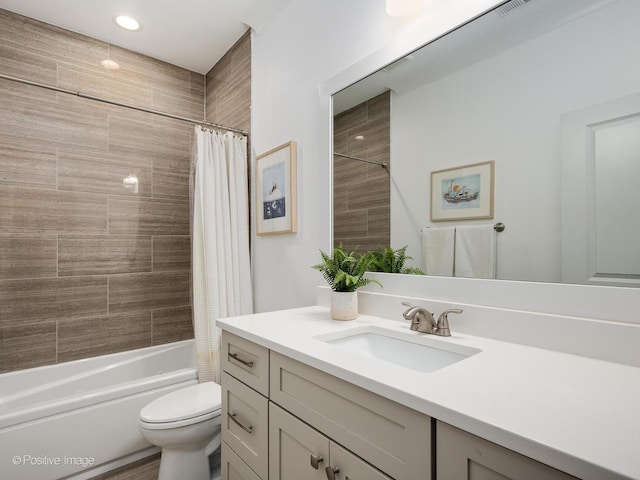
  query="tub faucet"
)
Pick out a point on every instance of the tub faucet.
point(421, 319)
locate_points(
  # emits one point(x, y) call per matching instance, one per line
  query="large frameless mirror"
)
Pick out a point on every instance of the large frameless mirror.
point(546, 91)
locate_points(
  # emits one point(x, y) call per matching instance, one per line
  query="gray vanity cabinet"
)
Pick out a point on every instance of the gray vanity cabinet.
point(298, 451)
point(463, 456)
point(282, 418)
point(279, 414)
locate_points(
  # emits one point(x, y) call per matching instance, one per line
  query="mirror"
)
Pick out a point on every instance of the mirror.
point(546, 90)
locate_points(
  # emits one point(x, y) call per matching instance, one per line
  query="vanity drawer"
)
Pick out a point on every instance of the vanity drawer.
point(461, 455)
point(245, 360)
point(392, 437)
point(245, 423)
point(233, 467)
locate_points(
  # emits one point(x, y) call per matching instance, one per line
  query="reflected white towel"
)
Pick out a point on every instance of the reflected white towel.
point(437, 250)
point(475, 251)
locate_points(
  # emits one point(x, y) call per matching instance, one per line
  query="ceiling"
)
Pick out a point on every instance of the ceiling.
point(193, 34)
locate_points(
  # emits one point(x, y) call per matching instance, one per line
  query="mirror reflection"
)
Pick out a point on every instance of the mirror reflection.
point(548, 92)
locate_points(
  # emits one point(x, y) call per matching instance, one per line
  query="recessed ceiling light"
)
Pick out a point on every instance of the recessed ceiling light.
point(359, 137)
point(128, 23)
point(109, 64)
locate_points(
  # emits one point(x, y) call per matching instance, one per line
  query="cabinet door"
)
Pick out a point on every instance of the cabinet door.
point(463, 456)
point(296, 451)
point(349, 467)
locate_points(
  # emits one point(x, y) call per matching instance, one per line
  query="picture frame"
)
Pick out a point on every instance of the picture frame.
point(276, 190)
point(462, 193)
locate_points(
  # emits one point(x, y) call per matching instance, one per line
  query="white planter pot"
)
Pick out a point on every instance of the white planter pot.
point(344, 305)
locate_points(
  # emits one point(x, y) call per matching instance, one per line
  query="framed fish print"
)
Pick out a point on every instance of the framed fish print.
point(462, 193)
point(276, 193)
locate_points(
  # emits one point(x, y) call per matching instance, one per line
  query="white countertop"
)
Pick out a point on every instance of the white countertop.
point(576, 414)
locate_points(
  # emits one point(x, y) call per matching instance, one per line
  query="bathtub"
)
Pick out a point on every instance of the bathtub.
point(79, 419)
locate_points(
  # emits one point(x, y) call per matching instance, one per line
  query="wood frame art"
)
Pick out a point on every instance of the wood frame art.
point(462, 193)
point(276, 190)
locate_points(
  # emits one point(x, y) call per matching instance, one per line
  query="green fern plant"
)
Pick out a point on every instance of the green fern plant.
point(344, 271)
point(389, 260)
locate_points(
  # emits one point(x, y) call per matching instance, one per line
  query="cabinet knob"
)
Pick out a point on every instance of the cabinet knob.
point(316, 460)
point(332, 472)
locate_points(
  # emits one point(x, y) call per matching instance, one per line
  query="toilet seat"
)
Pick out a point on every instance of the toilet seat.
point(186, 406)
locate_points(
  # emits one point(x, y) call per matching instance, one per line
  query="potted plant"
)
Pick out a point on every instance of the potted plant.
point(344, 272)
point(388, 260)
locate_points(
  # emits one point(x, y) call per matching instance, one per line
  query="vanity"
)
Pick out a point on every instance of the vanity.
point(308, 397)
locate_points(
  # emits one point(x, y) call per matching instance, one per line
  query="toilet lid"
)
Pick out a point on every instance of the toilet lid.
point(188, 402)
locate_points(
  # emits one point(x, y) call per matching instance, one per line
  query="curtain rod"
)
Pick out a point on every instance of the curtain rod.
point(498, 227)
point(384, 165)
point(118, 104)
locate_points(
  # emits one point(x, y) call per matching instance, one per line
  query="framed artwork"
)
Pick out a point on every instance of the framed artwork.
point(276, 193)
point(462, 193)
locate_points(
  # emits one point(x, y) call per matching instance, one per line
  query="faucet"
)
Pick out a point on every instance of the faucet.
point(422, 320)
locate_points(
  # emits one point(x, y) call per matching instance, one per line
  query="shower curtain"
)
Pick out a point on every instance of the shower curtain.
point(221, 278)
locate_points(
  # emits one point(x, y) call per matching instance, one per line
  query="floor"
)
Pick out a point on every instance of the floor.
point(147, 469)
point(144, 469)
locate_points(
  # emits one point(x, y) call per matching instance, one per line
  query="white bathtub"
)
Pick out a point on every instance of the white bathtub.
point(80, 418)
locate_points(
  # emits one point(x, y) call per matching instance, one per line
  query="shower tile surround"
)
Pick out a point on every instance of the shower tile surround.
point(361, 214)
point(228, 95)
point(90, 265)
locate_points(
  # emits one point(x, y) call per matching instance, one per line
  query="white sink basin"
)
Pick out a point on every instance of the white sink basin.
point(422, 353)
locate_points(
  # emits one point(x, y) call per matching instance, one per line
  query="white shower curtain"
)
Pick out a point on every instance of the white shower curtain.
point(221, 278)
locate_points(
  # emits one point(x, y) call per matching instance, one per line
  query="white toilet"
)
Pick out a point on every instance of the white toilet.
point(186, 425)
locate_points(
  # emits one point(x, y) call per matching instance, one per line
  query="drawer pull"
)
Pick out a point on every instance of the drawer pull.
point(244, 362)
point(316, 460)
point(249, 429)
point(332, 472)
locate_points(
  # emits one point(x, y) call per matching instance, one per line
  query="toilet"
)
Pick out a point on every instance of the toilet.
point(186, 425)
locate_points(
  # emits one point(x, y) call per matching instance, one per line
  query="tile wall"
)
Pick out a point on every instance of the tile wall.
point(361, 214)
point(228, 98)
point(91, 264)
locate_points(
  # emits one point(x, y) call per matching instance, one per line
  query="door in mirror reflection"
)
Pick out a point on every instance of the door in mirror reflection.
point(601, 169)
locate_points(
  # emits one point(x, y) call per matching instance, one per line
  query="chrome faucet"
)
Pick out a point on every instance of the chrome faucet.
point(422, 320)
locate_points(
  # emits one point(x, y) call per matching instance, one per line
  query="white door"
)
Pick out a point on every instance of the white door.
point(601, 193)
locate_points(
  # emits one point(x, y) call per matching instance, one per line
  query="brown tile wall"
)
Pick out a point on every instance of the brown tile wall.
point(361, 191)
point(228, 98)
point(228, 85)
point(89, 265)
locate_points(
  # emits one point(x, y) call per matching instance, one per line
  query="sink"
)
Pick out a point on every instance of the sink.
point(416, 352)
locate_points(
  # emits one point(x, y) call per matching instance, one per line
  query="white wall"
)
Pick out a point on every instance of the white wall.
point(307, 44)
point(508, 108)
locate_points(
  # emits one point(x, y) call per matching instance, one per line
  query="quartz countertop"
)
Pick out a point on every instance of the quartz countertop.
point(577, 414)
